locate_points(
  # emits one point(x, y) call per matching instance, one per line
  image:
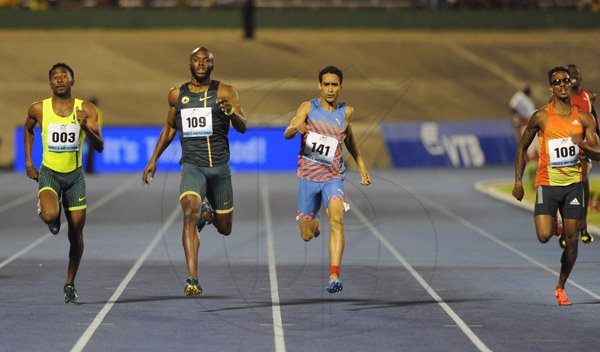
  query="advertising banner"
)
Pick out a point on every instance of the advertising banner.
point(450, 144)
point(128, 149)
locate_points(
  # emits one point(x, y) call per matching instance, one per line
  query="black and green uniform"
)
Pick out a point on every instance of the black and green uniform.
point(203, 130)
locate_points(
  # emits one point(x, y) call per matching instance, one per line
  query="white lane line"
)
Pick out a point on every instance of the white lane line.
point(16, 202)
point(459, 322)
point(103, 200)
point(89, 332)
point(277, 322)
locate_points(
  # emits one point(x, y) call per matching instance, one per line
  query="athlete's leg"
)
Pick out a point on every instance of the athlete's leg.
point(76, 221)
point(190, 204)
point(569, 255)
point(309, 203)
point(49, 208)
point(219, 192)
point(335, 212)
point(544, 227)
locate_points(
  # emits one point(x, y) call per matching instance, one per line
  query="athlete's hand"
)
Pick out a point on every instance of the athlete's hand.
point(225, 106)
point(301, 127)
point(365, 178)
point(518, 191)
point(576, 138)
point(32, 172)
point(150, 169)
point(81, 117)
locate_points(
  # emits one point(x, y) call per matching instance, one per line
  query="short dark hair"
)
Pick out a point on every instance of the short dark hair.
point(553, 70)
point(63, 65)
point(331, 69)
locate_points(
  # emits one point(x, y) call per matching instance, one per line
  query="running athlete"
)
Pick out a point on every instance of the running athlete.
point(324, 124)
point(65, 122)
point(584, 100)
point(201, 111)
point(559, 174)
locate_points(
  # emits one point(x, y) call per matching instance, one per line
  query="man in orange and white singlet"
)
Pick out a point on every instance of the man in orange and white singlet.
point(559, 175)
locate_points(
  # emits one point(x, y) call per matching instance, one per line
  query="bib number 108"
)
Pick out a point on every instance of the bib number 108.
point(564, 152)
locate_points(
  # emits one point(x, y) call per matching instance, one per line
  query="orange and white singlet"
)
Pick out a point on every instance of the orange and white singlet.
point(559, 163)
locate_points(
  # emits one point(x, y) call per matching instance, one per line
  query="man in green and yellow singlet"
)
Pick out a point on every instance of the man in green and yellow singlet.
point(201, 111)
point(65, 122)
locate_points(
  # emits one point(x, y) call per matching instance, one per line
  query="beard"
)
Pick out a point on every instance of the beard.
point(205, 76)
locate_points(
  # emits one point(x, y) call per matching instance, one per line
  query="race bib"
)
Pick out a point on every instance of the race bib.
point(563, 152)
point(196, 122)
point(320, 148)
point(63, 137)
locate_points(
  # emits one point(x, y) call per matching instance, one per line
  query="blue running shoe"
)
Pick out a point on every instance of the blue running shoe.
point(70, 294)
point(334, 286)
point(192, 288)
point(205, 208)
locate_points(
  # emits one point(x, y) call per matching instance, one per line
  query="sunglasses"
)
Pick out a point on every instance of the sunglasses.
point(556, 82)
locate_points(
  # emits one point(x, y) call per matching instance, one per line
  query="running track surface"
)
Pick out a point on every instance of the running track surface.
point(430, 265)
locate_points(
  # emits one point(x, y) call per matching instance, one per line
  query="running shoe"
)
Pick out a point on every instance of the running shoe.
point(335, 285)
point(586, 237)
point(70, 294)
point(202, 221)
point(561, 297)
point(192, 288)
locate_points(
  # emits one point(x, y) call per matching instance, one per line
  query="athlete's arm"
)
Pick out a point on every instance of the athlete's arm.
point(229, 103)
point(591, 148)
point(352, 146)
point(166, 136)
point(34, 114)
point(532, 128)
point(298, 122)
point(88, 121)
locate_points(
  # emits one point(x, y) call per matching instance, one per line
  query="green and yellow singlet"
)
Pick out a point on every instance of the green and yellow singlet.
point(202, 127)
point(62, 138)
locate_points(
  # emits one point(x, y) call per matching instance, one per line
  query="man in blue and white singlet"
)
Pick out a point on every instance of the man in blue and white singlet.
point(324, 124)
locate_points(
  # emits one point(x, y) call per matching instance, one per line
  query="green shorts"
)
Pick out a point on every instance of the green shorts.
point(214, 183)
point(70, 185)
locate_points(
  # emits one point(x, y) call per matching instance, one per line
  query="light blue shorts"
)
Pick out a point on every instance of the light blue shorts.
point(312, 194)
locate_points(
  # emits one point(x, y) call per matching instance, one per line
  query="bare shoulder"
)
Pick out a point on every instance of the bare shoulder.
point(349, 112)
point(225, 90)
point(173, 95)
point(540, 114)
point(35, 110)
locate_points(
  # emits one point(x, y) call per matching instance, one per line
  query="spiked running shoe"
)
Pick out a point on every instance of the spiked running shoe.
point(192, 288)
point(586, 237)
point(70, 294)
point(335, 285)
point(561, 297)
point(202, 221)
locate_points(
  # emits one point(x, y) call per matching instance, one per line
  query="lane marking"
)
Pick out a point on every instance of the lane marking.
point(89, 332)
point(103, 200)
point(277, 322)
point(16, 202)
point(459, 322)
